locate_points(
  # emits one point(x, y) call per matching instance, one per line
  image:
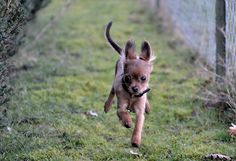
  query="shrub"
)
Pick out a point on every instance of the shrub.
point(222, 95)
point(14, 14)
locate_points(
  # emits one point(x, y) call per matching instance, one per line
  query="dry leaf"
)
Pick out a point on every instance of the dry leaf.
point(135, 153)
point(91, 113)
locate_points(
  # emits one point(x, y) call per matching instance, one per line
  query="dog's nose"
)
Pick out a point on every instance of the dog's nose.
point(135, 89)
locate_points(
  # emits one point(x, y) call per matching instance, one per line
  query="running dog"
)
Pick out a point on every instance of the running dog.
point(130, 84)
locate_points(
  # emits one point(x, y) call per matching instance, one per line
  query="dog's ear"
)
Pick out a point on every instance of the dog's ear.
point(130, 50)
point(145, 51)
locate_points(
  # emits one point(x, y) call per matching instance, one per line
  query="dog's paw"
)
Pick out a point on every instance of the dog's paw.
point(147, 110)
point(107, 106)
point(147, 107)
point(135, 145)
point(135, 142)
point(127, 124)
point(126, 120)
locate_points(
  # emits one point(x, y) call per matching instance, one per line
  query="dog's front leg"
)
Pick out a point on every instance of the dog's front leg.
point(108, 103)
point(123, 114)
point(137, 133)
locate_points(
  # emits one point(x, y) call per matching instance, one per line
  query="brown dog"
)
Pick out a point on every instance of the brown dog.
point(130, 85)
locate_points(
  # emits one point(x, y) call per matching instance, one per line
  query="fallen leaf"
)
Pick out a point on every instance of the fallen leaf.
point(91, 113)
point(135, 153)
point(9, 129)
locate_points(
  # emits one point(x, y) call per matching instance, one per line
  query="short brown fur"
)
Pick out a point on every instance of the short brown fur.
point(130, 84)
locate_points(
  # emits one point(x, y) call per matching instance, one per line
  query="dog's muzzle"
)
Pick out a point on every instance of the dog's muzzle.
point(131, 94)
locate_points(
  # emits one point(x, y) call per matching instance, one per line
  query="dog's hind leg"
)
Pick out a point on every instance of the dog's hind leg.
point(108, 103)
point(147, 107)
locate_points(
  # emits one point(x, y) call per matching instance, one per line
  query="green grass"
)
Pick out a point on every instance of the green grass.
point(72, 72)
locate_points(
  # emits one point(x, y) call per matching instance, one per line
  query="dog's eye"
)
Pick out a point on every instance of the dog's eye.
point(128, 79)
point(143, 78)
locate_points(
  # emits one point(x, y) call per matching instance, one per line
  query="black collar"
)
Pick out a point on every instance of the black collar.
point(127, 90)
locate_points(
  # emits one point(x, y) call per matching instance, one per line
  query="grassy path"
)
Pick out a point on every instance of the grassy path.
point(72, 72)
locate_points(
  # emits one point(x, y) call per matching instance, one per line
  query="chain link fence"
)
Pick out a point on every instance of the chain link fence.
point(194, 22)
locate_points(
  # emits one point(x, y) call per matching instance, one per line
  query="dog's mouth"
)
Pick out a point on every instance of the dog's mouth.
point(136, 94)
point(142, 93)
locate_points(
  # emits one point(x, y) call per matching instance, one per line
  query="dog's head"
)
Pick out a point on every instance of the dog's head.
point(137, 69)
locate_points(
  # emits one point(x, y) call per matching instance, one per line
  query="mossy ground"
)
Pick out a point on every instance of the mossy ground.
point(73, 73)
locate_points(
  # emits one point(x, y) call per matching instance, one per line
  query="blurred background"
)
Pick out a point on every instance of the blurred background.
point(56, 70)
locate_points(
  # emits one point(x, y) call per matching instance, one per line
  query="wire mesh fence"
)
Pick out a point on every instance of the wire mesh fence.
point(195, 22)
point(231, 34)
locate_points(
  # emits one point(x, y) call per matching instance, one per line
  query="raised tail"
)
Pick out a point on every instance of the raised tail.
point(109, 39)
